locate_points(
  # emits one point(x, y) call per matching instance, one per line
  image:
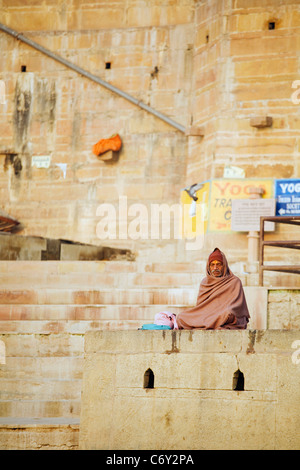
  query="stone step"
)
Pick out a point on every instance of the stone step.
point(65, 267)
point(99, 280)
point(15, 409)
point(42, 345)
point(72, 327)
point(39, 434)
point(24, 421)
point(98, 274)
point(42, 375)
point(70, 296)
point(40, 389)
point(13, 389)
point(37, 367)
point(55, 313)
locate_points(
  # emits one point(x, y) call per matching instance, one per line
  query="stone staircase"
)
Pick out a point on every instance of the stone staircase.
point(47, 306)
point(45, 309)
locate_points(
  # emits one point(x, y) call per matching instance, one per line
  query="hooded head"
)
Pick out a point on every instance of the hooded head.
point(217, 265)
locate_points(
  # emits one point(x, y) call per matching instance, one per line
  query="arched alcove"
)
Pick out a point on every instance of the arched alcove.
point(238, 381)
point(149, 379)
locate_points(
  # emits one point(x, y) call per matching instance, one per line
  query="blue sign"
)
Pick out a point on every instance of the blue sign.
point(287, 193)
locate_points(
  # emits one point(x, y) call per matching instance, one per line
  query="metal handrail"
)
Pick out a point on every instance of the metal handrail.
point(293, 244)
point(92, 77)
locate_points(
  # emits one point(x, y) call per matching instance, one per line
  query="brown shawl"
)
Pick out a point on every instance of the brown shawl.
point(221, 303)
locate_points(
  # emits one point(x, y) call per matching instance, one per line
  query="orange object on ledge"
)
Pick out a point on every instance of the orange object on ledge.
point(113, 143)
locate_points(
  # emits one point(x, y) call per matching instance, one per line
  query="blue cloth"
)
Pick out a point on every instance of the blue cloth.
point(153, 326)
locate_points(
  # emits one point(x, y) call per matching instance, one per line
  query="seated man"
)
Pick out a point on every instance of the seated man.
point(221, 302)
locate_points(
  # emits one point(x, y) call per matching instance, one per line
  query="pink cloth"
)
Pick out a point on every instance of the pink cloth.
point(166, 318)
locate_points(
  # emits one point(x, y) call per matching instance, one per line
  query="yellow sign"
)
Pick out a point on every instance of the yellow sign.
point(223, 191)
point(212, 210)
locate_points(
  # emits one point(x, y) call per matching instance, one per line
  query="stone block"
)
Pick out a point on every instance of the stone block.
point(257, 298)
point(32, 19)
point(262, 67)
point(109, 156)
point(100, 18)
point(28, 345)
point(195, 131)
point(193, 391)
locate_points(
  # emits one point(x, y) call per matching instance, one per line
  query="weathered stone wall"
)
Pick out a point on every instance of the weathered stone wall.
point(213, 63)
point(53, 111)
point(194, 399)
point(243, 69)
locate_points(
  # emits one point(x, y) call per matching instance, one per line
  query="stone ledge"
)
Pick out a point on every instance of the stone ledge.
point(44, 434)
point(27, 421)
point(188, 341)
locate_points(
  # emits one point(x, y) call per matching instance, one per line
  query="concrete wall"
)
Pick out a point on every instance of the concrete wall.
point(192, 404)
point(213, 63)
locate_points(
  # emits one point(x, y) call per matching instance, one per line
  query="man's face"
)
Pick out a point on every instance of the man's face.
point(216, 268)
